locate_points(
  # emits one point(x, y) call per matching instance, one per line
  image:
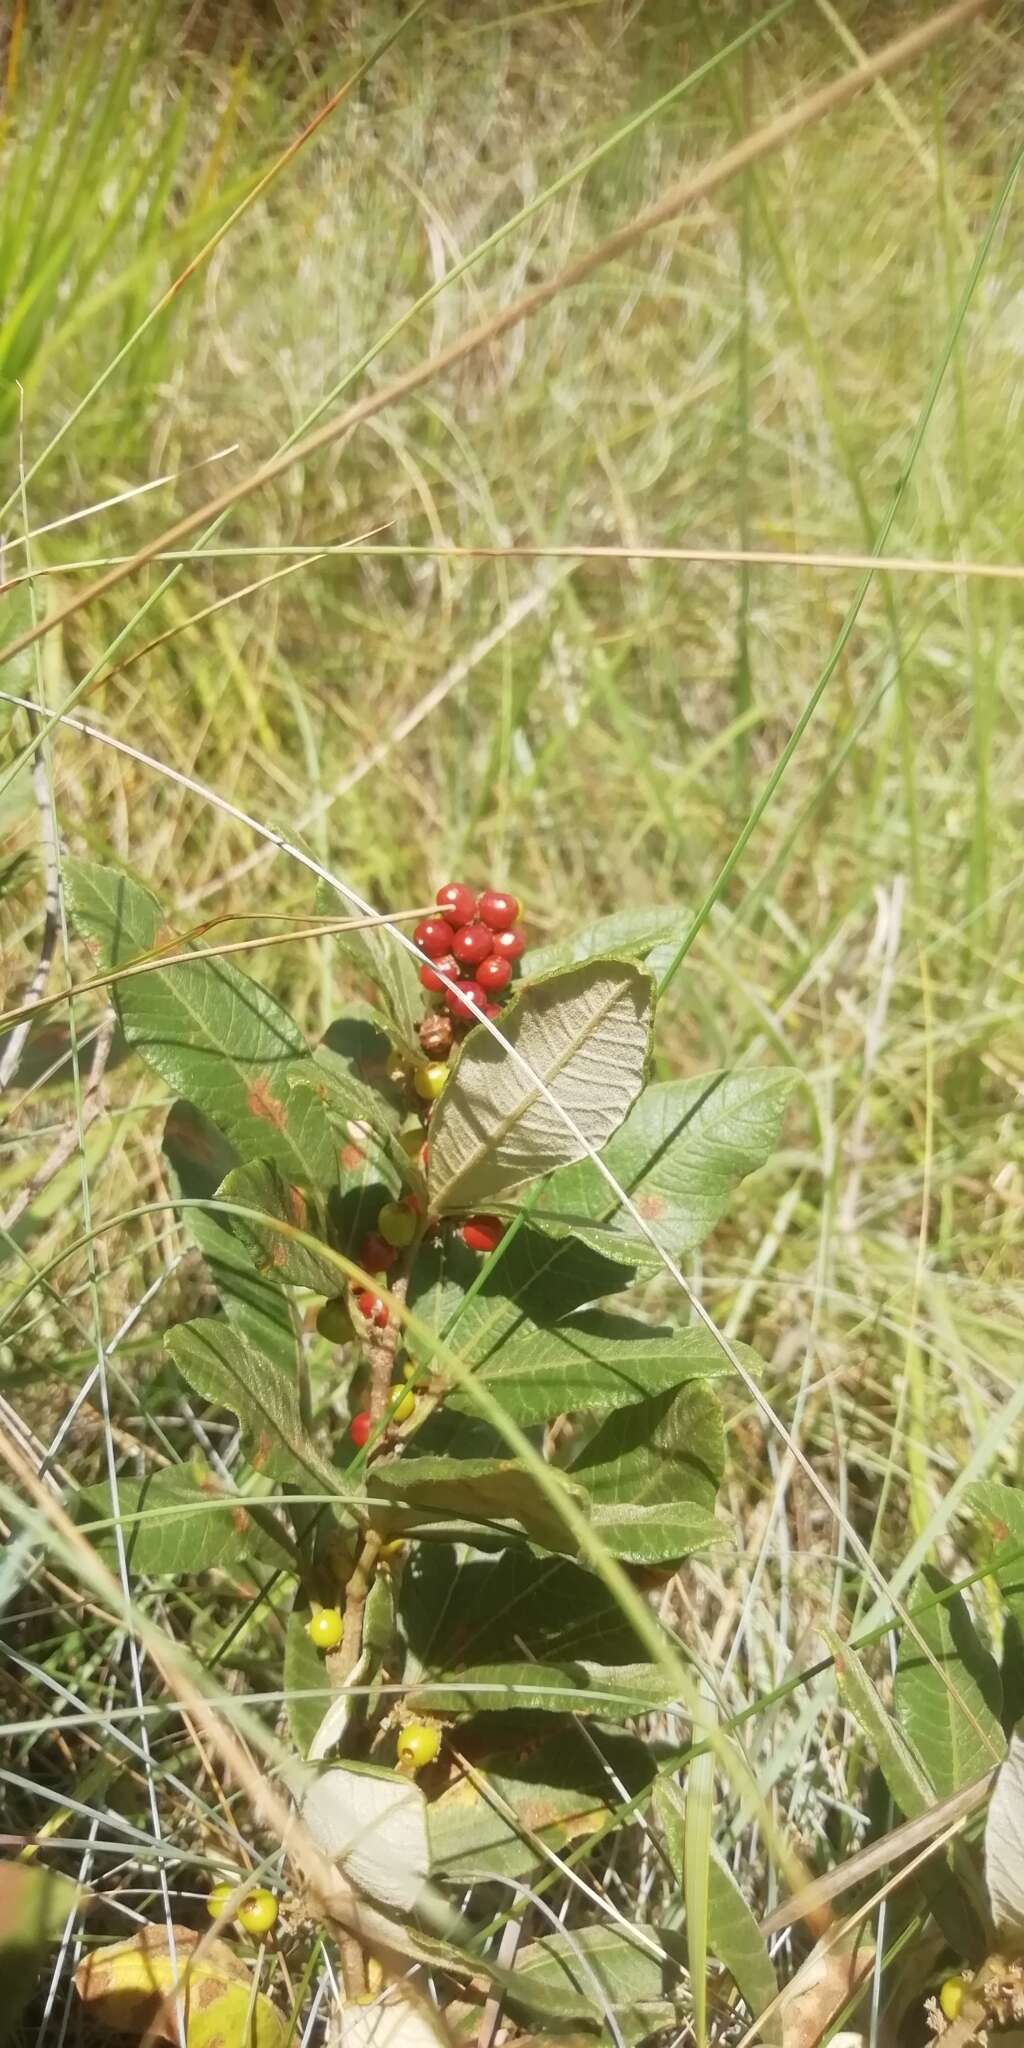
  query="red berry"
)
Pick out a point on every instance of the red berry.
point(509, 944)
point(359, 1428)
point(448, 965)
point(494, 973)
point(372, 1308)
point(482, 1233)
point(458, 904)
point(433, 936)
point(375, 1254)
point(469, 1000)
point(492, 1010)
point(472, 944)
point(497, 909)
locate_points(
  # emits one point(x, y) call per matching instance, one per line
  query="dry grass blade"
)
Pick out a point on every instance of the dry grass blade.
point(764, 142)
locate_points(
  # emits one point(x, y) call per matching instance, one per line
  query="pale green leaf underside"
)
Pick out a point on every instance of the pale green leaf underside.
point(1004, 1849)
point(373, 1824)
point(212, 1034)
point(585, 1034)
point(678, 1156)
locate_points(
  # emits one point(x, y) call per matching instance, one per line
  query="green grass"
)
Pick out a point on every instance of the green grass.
point(603, 730)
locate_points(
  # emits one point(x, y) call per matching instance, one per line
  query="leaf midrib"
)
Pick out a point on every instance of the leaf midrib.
point(535, 1094)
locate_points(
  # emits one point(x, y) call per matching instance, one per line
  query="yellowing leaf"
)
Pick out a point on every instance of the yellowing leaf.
point(125, 1985)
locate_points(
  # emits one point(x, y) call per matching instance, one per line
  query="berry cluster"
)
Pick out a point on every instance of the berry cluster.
point(474, 940)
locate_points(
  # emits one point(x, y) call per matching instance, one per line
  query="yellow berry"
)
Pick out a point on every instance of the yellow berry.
point(951, 1997)
point(334, 1320)
point(325, 1628)
point(429, 1081)
point(259, 1912)
point(404, 1407)
point(218, 1898)
point(397, 1224)
point(417, 1745)
point(390, 1552)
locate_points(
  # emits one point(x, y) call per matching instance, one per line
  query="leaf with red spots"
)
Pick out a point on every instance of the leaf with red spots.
point(223, 1369)
point(211, 1032)
point(679, 1155)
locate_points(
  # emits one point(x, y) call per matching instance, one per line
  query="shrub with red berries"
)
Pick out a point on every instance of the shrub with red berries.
point(472, 1267)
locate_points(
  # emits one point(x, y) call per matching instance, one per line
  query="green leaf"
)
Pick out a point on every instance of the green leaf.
point(652, 1472)
point(407, 1493)
point(679, 1155)
point(176, 1522)
point(560, 1790)
point(594, 1970)
point(496, 1609)
point(261, 1185)
point(632, 934)
point(338, 1075)
point(950, 1715)
point(208, 1030)
point(223, 1368)
point(535, 1283)
point(306, 1687)
point(592, 1364)
point(200, 1158)
point(904, 1775)
point(34, 1905)
point(609, 1692)
point(376, 953)
point(586, 1035)
point(734, 1937)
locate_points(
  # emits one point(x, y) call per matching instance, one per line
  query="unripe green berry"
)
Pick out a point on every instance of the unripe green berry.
point(417, 1746)
point(429, 1081)
point(334, 1321)
point(397, 1224)
point(258, 1913)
